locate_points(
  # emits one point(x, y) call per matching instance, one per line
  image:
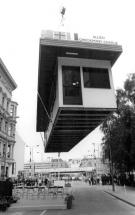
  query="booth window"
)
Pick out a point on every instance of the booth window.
point(71, 85)
point(96, 78)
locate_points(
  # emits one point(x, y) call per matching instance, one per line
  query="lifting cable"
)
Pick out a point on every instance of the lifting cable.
point(63, 10)
point(44, 107)
point(42, 137)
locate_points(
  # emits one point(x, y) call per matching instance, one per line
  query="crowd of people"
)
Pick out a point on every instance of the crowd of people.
point(106, 179)
point(32, 182)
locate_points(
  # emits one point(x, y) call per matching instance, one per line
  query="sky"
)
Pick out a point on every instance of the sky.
point(21, 23)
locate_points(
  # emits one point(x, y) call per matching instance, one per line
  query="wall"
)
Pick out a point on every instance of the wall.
point(92, 97)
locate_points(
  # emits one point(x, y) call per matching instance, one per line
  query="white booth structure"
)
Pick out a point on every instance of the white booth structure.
point(75, 87)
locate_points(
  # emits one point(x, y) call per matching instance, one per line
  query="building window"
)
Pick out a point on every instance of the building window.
point(10, 130)
point(4, 150)
point(12, 110)
point(96, 78)
point(1, 120)
point(59, 35)
point(0, 150)
point(7, 105)
point(6, 127)
point(8, 151)
point(3, 101)
point(13, 168)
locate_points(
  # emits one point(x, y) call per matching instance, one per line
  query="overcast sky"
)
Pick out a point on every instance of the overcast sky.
point(21, 23)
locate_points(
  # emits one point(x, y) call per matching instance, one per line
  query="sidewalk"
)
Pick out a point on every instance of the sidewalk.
point(123, 193)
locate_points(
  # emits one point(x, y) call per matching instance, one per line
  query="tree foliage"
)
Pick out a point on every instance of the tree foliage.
point(119, 129)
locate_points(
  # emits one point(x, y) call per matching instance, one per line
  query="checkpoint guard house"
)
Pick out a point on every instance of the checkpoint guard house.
point(75, 87)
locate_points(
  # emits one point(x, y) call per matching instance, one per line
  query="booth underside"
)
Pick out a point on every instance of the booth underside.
point(72, 125)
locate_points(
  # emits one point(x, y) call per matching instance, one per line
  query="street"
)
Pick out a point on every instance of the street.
point(88, 200)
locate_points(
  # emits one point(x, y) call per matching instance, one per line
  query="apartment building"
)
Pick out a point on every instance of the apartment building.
point(8, 110)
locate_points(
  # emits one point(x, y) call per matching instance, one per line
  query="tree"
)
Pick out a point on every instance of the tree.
point(129, 87)
point(119, 129)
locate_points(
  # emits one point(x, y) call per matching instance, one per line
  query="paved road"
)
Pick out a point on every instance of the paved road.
point(24, 213)
point(88, 200)
point(95, 202)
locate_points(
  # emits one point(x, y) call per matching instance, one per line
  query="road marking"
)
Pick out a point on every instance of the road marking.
point(43, 212)
point(17, 213)
point(34, 206)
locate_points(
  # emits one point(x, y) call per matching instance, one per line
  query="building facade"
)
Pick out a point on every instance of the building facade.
point(8, 110)
point(97, 163)
point(33, 168)
point(72, 166)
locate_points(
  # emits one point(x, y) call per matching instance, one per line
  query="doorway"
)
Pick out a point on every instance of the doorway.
point(72, 93)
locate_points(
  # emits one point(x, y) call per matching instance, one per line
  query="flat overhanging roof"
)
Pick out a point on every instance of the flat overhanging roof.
point(88, 50)
point(50, 50)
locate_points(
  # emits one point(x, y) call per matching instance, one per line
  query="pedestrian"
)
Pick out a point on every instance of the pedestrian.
point(8, 187)
point(46, 181)
point(92, 180)
point(39, 182)
point(89, 181)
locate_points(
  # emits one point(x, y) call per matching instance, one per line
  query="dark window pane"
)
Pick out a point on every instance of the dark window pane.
point(96, 78)
point(71, 85)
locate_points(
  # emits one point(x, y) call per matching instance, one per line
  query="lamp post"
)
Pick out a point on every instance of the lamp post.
point(31, 158)
point(94, 155)
point(58, 166)
point(111, 160)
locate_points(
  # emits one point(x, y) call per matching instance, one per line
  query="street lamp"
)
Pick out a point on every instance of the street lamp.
point(94, 155)
point(58, 166)
point(111, 160)
point(31, 157)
